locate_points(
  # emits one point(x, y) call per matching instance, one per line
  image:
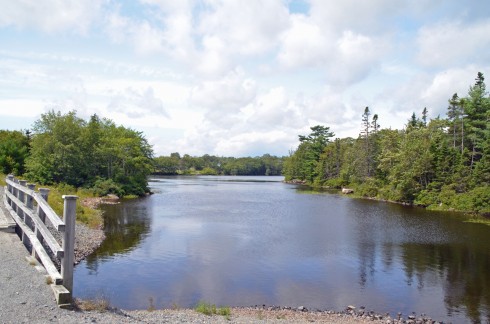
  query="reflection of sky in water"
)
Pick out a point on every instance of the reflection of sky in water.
point(245, 243)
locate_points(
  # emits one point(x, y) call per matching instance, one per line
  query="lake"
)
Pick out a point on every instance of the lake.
point(243, 241)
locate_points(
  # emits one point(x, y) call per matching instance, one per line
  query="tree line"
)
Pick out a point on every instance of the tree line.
point(442, 163)
point(216, 165)
point(66, 149)
point(106, 158)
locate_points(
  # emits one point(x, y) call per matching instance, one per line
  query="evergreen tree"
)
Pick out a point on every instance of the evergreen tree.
point(424, 116)
point(456, 121)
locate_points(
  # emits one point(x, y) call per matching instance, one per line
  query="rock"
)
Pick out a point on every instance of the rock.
point(350, 307)
point(347, 191)
point(302, 309)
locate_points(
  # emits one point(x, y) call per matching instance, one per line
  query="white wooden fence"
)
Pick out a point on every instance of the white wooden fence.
point(33, 215)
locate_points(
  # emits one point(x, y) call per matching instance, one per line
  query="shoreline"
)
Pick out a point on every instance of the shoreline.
point(354, 195)
point(263, 314)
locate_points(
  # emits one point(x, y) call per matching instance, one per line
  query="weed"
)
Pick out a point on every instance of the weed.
point(100, 304)
point(175, 306)
point(211, 309)
point(151, 308)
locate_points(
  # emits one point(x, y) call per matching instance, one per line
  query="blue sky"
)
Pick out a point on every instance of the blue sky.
point(238, 78)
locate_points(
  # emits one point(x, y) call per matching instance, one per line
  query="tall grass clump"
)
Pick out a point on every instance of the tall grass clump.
point(211, 309)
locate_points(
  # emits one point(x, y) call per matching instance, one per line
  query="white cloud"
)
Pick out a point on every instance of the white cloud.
point(430, 90)
point(305, 44)
point(223, 98)
point(274, 110)
point(51, 16)
point(213, 75)
point(137, 104)
point(247, 29)
point(21, 108)
point(345, 56)
point(449, 43)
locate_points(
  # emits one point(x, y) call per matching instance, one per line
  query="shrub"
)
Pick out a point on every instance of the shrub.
point(104, 187)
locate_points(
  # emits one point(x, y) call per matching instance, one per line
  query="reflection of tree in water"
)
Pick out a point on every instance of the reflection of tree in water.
point(367, 257)
point(464, 270)
point(125, 225)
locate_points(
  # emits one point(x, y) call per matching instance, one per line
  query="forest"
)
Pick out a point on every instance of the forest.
point(442, 163)
point(214, 165)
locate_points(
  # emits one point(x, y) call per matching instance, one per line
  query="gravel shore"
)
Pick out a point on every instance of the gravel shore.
point(25, 297)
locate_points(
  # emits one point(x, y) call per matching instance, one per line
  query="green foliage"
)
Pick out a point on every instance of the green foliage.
point(303, 163)
point(211, 309)
point(369, 188)
point(85, 215)
point(67, 149)
point(104, 187)
point(209, 171)
point(213, 165)
point(14, 149)
point(438, 163)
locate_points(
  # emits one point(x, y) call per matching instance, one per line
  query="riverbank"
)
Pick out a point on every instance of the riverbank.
point(478, 217)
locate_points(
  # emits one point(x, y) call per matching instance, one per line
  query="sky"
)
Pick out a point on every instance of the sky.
point(238, 78)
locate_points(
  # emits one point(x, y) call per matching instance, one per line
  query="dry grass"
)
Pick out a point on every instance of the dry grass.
point(49, 280)
point(99, 304)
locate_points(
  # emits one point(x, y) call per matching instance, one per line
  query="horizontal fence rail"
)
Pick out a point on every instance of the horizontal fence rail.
point(36, 224)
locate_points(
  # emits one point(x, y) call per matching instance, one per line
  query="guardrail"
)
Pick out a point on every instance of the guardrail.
point(35, 218)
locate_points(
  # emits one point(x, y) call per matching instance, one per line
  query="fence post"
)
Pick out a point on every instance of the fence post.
point(69, 214)
point(22, 198)
point(44, 192)
point(29, 199)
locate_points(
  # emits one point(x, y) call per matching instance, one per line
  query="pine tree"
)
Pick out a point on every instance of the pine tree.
point(366, 126)
point(424, 116)
point(374, 124)
point(476, 107)
point(455, 117)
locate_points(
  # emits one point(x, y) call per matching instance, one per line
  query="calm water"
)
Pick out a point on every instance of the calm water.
point(242, 241)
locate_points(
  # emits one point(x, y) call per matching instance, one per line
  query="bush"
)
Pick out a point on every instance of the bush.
point(427, 198)
point(369, 188)
point(104, 187)
point(209, 171)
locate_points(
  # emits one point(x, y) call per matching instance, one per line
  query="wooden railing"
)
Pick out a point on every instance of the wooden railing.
point(35, 220)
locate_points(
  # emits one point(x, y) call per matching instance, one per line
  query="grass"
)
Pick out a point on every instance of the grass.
point(479, 220)
point(86, 215)
point(99, 304)
point(211, 309)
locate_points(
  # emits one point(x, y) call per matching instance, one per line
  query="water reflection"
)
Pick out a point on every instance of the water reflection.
point(243, 243)
point(125, 226)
